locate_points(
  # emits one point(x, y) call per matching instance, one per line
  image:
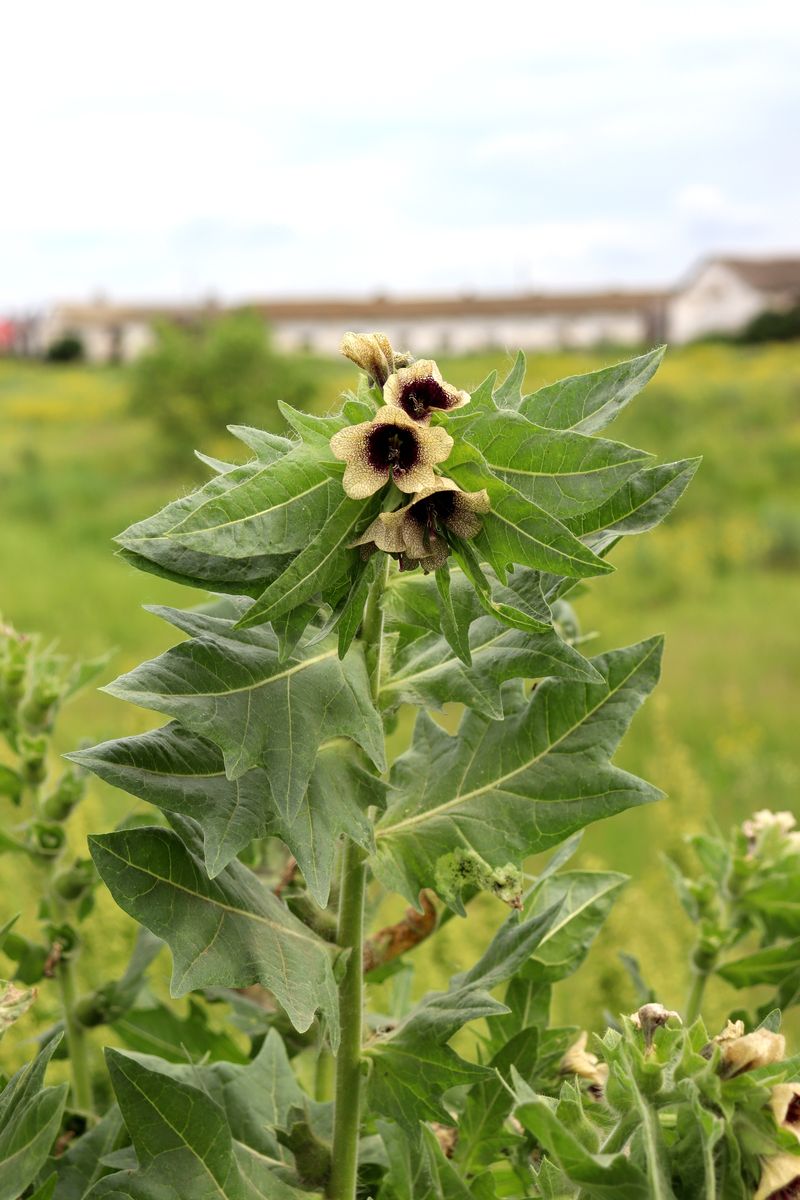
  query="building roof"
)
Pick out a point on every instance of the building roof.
point(766, 274)
point(402, 308)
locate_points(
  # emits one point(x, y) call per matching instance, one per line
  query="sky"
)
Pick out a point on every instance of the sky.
point(175, 151)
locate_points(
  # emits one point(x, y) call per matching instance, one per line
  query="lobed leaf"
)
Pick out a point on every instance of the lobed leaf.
point(426, 673)
point(182, 773)
point(232, 687)
point(229, 931)
point(515, 787)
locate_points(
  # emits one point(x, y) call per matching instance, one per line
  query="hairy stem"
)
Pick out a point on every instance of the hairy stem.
point(348, 1060)
point(695, 998)
point(350, 936)
point(76, 1039)
point(64, 973)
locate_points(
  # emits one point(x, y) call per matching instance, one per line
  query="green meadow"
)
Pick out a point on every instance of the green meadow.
point(721, 579)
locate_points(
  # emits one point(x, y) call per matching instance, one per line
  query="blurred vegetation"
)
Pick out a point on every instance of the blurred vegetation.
point(773, 327)
point(195, 381)
point(66, 349)
point(721, 579)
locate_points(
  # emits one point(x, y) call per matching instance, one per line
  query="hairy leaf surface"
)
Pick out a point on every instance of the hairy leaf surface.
point(182, 1140)
point(183, 773)
point(511, 788)
point(261, 508)
point(229, 931)
point(590, 402)
point(413, 1065)
point(426, 672)
point(563, 472)
point(232, 687)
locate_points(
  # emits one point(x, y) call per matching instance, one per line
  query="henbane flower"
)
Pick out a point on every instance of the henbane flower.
point(419, 391)
point(417, 532)
point(756, 1049)
point(390, 446)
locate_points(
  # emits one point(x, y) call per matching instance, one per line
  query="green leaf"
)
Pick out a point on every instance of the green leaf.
point(764, 967)
point(323, 563)
point(425, 672)
point(45, 1192)
point(517, 530)
point(182, 1141)
point(229, 931)
point(641, 503)
point(509, 393)
point(411, 1067)
point(315, 431)
point(185, 774)
point(482, 1136)
point(159, 1030)
point(231, 687)
point(587, 403)
point(30, 1118)
point(515, 787)
point(411, 597)
point(257, 1097)
point(412, 1173)
point(81, 1165)
point(564, 473)
point(455, 616)
point(776, 901)
point(260, 508)
point(267, 447)
point(233, 576)
point(215, 465)
point(584, 899)
point(605, 1176)
point(348, 620)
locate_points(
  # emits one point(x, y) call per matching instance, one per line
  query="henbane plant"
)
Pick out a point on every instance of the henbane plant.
point(416, 548)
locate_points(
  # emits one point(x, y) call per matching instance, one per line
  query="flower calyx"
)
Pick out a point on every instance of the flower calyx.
point(419, 391)
point(391, 446)
point(419, 533)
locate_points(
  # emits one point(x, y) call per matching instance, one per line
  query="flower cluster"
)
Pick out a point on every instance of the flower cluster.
point(401, 446)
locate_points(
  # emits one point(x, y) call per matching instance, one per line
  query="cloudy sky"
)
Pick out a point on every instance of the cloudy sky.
point(172, 150)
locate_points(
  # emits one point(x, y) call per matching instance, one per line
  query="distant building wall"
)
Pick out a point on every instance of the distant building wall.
point(717, 300)
point(721, 296)
point(462, 334)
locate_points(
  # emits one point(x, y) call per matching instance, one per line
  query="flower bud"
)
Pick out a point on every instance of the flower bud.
point(75, 882)
point(651, 1017)
point(68, 792)
point(372, 352)
point(33, 753)
point(580, 1061)
point(47, 838)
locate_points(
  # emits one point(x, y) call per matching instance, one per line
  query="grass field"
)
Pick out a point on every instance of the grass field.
point(721, 579)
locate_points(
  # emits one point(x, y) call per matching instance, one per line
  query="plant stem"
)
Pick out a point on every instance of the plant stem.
point(695, 998)
point(348, 1060)
point(77, 1045)
point(76, 1040)
point(350, 936)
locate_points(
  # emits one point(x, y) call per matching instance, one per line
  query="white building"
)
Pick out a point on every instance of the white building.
point(461, 324)
point(722, 294)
